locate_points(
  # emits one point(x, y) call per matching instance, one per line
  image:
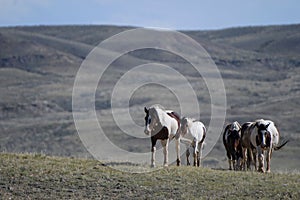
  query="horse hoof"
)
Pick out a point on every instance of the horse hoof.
point(152, 166)
point(165, 165)
point(261, 170)
point(178, 162)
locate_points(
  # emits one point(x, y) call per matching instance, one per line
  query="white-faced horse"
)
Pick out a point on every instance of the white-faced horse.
point(197, 130)
point(162, 125)
point(258, 137)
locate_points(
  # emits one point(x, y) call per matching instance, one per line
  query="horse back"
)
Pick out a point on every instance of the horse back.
point(225, 134)
point(275, 135)
point(246, 134)
point(175, 116)
point(198, 131)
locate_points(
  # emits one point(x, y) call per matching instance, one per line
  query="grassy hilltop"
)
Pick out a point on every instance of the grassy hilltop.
point(260, 67)
point(35, 176)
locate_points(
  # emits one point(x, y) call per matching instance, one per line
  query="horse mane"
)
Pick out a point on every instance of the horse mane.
point(195, 120)
point(158, 112)
point(157, 106)
point(235, 124)
point(190, 119)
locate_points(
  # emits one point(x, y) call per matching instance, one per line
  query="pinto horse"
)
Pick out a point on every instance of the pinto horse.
point(198, 132)
point(162, 125)
point(257, 138)
point(231, 141)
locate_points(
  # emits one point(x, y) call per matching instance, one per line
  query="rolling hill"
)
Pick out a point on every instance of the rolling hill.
point(259, 66)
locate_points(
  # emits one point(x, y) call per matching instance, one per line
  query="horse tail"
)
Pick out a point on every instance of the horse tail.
point(204, 134)
point(280, 146)
point(176, 116)
point(186, 141)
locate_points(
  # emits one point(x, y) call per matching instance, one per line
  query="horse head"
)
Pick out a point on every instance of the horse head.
point(151, 119)
point(235, 134)
point(263, 138)
point(147, 121)
point(184, 125)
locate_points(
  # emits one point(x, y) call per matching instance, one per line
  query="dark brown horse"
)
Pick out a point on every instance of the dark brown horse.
point(231, 141)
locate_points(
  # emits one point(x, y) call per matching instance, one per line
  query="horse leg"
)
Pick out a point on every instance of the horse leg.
point(229, 160)
point(260, 153)
point(234, 163)
point(239, 156)
point(239, 163)
point(196, 153)
point(268, 159)
point(254, 159)
point(177, 144)
point(244, 159)
point(251, 158)
point(199, 156)
point(195, 158)
point(165, 144)
point(153, 150)
point(187, 154)
point(198, 159)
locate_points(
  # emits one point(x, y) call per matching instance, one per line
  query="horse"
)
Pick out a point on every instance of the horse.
point(231, 141)
point(257, 138)
point(197, 130)
point(164, 126)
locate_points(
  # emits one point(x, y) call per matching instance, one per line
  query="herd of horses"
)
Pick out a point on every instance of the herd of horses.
point(244, 144)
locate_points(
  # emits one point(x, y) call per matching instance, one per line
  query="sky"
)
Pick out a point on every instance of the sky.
point(171, 14)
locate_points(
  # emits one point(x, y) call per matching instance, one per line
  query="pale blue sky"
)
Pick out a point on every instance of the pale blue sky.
point(188, 14)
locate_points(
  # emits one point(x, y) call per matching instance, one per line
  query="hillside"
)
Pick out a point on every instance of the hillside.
point(35, 176)
point(259, 65)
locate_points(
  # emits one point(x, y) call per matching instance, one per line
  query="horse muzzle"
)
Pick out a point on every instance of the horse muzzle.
point(263, 146)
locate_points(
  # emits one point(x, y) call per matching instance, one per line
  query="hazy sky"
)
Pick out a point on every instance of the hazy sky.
point(186, 14)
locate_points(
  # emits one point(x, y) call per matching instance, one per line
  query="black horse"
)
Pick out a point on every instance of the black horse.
point(231, 141)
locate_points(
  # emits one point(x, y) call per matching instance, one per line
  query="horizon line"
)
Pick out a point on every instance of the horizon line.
point(135, 26)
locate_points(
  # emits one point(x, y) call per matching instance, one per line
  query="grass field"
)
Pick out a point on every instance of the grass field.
point(36, 176)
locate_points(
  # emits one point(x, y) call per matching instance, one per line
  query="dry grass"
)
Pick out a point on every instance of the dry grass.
point(35, 176)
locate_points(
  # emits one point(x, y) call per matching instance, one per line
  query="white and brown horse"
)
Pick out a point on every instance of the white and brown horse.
point(196, 129)
point(162, 125)
point(258, 138)
point(231, 141)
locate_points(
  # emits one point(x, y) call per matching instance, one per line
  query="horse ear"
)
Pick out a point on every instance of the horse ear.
point(146, 110)
point(256, 124)
point(240, 127)
point(230, 127)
